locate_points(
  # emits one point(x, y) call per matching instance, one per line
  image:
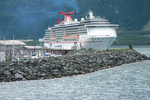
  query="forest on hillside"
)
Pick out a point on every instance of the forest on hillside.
point(129, 14)
point(28, 18)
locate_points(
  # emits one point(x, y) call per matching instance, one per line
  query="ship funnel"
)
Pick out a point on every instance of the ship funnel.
point(67, 16)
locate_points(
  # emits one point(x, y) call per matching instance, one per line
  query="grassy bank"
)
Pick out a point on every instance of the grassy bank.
point(133, 37)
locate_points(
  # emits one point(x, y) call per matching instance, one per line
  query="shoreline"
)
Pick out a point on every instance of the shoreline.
point(132, 46)
point(73, 63)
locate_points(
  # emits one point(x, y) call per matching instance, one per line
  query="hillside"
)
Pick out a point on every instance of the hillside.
point(129, 14)
point(133, 37)
point(24, 18)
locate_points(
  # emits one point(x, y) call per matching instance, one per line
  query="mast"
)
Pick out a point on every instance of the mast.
point(4, 44)
point(13, 47)
point(34, 43)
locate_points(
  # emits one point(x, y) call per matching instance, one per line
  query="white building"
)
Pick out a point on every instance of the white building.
point(10, 46)
point(2, 56)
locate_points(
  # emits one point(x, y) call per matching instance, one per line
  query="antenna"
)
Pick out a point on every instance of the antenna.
point(13, 47)
point(67, 16)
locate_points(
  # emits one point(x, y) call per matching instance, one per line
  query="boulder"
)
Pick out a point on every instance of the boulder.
point(22, 73)
point(7, 73)
point(18, 76)
point(12, 64)
point(2, 71)
point(11, 69)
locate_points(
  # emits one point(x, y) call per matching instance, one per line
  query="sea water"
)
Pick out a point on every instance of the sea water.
point(126, 82)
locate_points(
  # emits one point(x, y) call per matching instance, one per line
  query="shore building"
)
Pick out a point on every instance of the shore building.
point(10, 46)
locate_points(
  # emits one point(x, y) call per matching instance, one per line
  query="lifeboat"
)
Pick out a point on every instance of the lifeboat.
point(71, 37)
point(52, 37)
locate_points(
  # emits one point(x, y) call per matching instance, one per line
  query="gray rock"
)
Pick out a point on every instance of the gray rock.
point(12, 69)
point(22, 73)
point(18, 76)
point(35, 74)
point(39, 74)
point(24, 79)
point(1, 71)
point(76, 71)
point(12, 64)
point(7, 73)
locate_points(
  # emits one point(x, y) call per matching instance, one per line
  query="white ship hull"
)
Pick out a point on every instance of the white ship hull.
point(101, 43)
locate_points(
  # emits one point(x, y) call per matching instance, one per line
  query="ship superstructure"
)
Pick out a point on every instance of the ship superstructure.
point(91, 32)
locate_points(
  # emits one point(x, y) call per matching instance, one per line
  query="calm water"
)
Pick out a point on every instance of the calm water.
point(130, 81)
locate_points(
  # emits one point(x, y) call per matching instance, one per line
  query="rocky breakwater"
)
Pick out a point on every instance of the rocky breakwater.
point(74, 63)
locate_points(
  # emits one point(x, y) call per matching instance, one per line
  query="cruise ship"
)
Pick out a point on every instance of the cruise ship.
point(90, 32)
